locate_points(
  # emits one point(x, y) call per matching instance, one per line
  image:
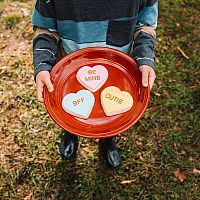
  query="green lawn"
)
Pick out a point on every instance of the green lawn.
point(159, 153)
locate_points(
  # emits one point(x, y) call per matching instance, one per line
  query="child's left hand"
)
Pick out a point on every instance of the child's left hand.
point(148, 75)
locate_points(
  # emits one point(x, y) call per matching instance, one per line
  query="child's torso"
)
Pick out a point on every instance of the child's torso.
point(85, 23)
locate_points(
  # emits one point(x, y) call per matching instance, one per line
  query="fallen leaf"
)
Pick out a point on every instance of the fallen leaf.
point(25, 11)
point(128, 181)
point(193, 87)
point(138, 143)
point(183, 152)
point(175, 145)
point(180, 175)
point(157, 94)
point(28, 197)
point(182, 53)
point(190, 158)
point(141, 158)
point(196, 171)
point(159, 39)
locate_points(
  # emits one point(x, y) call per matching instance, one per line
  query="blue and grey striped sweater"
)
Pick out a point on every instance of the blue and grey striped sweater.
point(126, 25)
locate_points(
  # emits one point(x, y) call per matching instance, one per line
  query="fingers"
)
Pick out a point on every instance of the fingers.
point(148, 75)
point(39, 90)
point(48, 83)
point(152, 77)
point(145, 77)
point(42, 79)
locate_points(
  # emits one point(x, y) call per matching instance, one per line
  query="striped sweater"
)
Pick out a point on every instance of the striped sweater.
point(126, 25)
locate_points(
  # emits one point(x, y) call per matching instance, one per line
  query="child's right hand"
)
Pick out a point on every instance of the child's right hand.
point(42, 79)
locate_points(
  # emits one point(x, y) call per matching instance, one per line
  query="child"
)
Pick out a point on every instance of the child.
point(64, 26)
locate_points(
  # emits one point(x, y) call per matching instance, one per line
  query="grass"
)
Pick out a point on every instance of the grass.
point(11, 20)
point(165, 139)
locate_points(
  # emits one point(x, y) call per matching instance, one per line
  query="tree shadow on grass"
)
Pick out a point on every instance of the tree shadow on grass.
point(106, 185)
point(66, 176)
point(81, 178)
point(69, 183)
point(59, 184)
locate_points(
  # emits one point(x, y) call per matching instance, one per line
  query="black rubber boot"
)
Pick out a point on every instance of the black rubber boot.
point(68, 146)
point(110, 153)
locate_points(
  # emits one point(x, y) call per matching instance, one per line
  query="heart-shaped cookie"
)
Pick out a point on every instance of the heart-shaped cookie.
point(92, 78)
point(114, 101)
point(79, 104)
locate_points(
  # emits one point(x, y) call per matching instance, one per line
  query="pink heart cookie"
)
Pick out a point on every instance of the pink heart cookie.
point(92, 78)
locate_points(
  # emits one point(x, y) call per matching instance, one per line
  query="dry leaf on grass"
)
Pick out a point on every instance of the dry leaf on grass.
point(25, 11)
point(140, 157)
point(183, 152)
point(195, 171)
point(180, 175)
point(128, 181)
point(138, 143)
point(182, 53)
point(191, 158)
point(157, 94)
point(28, 197)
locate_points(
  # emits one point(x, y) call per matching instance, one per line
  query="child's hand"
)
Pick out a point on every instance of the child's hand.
point(148, 75)
point(42, 79)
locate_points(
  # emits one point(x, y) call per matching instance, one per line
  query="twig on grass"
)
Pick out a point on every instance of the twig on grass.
point(182, 53)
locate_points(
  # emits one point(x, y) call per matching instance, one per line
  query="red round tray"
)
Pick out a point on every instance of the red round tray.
point(123, 73)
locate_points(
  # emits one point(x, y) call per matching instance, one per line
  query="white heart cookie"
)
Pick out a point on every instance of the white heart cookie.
point(79, 104)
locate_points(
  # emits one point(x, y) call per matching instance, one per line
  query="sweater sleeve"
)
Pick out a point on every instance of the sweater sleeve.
point(44, 53)
point(46, 39)
point(145, 36)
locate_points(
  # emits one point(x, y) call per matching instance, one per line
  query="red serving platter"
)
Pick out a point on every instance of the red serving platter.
point(123, 73)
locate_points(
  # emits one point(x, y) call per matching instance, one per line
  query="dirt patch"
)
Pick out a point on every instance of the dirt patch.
point(15, 49)
point(12, 45)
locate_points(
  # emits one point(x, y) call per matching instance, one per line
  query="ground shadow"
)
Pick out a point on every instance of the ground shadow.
point(106, 183)
point(61, 182)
